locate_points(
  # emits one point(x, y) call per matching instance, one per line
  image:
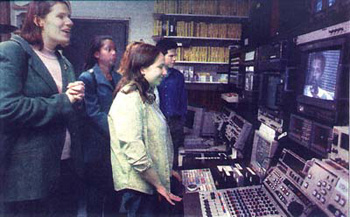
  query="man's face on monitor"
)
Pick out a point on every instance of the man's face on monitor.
point(317, 70)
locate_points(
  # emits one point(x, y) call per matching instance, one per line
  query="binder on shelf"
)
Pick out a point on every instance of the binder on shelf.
point(172, 27)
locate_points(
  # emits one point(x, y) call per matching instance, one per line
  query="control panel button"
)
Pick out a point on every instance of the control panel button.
point(318, 196)
point(315, 193)
point(306, 184)
point(342, 202)
point(324, 184)
point(337, 213)
point(324, 192)
point(329, 187)
point(309, 176)
point(323, 200)
point(337, 198)
point(331, 208)
point(319, 184)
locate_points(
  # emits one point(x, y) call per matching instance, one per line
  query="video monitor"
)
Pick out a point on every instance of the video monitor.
point(249, 56)
point(263, 151)
point(321, 74)
point(262, 154)
point(194, 120)
point(272, 90)
point(321, 135)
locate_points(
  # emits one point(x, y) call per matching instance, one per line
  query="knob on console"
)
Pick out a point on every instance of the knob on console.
point(295, 208)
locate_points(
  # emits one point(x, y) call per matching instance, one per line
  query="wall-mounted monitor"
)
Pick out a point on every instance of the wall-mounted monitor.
point(324, 79)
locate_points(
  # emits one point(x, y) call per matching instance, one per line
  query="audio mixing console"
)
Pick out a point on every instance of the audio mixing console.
point(295, 188)
point(246, 201)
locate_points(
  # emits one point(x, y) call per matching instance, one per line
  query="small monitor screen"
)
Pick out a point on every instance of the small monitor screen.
point(190, 119)
point(249, 56)
point(321, 135)
point(318, 5)
point(293, 162)
point(194, 120)
point(272, 86)
point(344, 142)
point(321, 74)
point(262, 152)
point(331, 2)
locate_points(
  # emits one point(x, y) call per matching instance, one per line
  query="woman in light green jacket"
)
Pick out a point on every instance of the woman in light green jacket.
point(141, 147)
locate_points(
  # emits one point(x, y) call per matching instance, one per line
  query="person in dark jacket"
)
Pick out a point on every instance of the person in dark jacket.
point(173, 96)
point(39, 107)
point(100, 80)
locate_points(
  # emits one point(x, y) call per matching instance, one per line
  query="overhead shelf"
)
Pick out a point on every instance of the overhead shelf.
point(196, 62)
point(184, 38)
point(202, 17)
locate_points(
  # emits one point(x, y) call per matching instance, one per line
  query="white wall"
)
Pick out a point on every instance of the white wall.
point(139, 14)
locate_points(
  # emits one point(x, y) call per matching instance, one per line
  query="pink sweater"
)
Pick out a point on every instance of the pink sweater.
point(51, 62)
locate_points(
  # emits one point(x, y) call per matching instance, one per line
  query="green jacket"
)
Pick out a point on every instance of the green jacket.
point(140, 139)
point(34, 117)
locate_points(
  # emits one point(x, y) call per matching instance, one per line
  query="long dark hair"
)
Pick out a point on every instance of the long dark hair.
point(137, 55)
point(95, 46)
point(30, 31)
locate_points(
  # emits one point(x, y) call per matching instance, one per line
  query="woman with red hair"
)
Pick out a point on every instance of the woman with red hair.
point(39, 114)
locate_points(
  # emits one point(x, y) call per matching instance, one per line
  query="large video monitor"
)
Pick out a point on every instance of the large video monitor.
point(321, 74)
point(324, 80)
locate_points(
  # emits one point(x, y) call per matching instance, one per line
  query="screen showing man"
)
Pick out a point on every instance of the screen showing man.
point(322, 74)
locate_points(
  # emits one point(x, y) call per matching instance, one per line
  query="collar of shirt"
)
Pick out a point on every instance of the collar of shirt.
point(169, 71)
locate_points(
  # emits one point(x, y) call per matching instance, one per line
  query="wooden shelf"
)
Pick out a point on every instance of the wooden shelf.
point(185, 38)
point(206, 63)
point(205, 82)
point(206, 86)
point(202, 17)
point(202, 38)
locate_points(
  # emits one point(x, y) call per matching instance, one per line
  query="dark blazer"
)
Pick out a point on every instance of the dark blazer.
point(35, 118)
point(98, 100)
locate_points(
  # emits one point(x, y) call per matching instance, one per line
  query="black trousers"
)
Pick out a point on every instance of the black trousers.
point(63, 202)
point(102, 199)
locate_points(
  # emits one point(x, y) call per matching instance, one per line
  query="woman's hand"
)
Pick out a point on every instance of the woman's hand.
point(75, 91)
point(176, 175)
point(168, 195)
